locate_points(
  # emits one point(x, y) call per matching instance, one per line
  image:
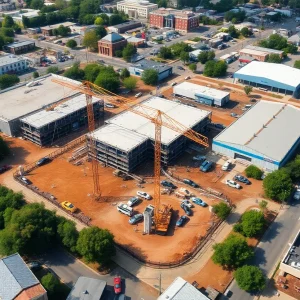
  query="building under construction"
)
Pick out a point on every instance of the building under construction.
point(127, 139)
point(46, 126)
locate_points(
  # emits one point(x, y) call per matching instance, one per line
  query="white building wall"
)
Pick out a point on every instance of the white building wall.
point(15, 66)
point(228, 151)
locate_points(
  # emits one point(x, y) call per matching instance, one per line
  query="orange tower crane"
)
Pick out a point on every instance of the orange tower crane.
point(155, 116)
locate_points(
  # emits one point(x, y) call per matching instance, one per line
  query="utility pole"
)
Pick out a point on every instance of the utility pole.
point(159, 284)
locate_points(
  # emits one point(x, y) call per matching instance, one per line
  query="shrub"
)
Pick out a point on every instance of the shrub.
point(254, 172)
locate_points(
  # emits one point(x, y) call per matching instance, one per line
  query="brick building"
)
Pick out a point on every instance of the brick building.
point(110, 43)
point(183, 21)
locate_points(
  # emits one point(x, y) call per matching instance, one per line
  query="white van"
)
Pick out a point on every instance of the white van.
point(226, 166)
point(138, 95)
point(125, 209)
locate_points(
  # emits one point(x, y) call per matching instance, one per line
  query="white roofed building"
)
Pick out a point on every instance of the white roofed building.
point(137, 8)
point(127, 138)
point(274, 77)
point(266, 135)
point(201, 94)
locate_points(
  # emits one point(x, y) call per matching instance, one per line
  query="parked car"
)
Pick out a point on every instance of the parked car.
point(233, 184)
point(234, 115)
point(25, 180)
point(199, 157)
point(226, 165)
point(34, 265)
point(173, 83)
point(43, 161)
point(133, 201)
point(68, 206)
point(180, 68)
point(110, 105)
point(191, 183)
point(169, 184)
point(135, 218)
point(149, 209)
point(198, 201)
point(143, 195)
point(186, 209)
point(297, 194)
point(180, 222)
point(242, 179)
point(4, 168)
point(187, 203)
point(295, 264)
point(118, 285)
point(206, 166)
point(187, 78)
point(220, 126)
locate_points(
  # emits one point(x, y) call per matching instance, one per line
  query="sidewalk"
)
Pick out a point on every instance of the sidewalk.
point(148, 274)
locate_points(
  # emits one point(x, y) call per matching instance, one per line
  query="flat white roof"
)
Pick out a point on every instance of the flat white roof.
point(268, 128)
point(181, 290)
point(8, 59)
point(118, 137)
point(186, 115)
point(20, 100)
point(43, 117)
point(275, 72)
point(200, 89)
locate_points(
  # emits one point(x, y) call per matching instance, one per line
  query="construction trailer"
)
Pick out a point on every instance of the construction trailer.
point(127, 140)
point(46, 126)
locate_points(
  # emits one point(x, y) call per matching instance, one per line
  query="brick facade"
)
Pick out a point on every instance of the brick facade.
point(109, 49)
point(182, 20)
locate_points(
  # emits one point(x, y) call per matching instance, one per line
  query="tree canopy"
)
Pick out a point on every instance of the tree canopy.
point(205, 56)
point(130, 83)
point(8, 80)
point(62, 31)
point(96, 245)
point(74, 72)
point(90, 40)
point(252, 223)
point(222, 210)
point(274, 58)
point(108, 79)
point(250, 278)
point(150, 76)
point(128, 52)
point(293, 168)
point(253, 172)
point(278, 185)
point(297, 64)
point(215, 69)
point(71, 44)
point(232, 253)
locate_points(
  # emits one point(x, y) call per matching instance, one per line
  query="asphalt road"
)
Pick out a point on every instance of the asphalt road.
point(69, 270)
point(272, 246)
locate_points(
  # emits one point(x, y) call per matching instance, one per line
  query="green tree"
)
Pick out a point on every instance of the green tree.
point(252, 223)
point(90, 40)
point(274, 58)
point(233, 31)
point(62, 31)
point(35, 74)
point(8, 22)
point(50, 283)
point(67, 233)
point(36, 4)
point(263, 204)
point(250, 278)
point(222, 210)
point(211, 55)
point(115, 19)
point(293, 168)
point(71, 44)
point(278, 185)
point(209, 68)
point(150, 77)
point(128, 52)
point(91, 71)
point(254, 172)
point(178, 48)
point(130, 83)
point(124, 73)
point(108, 79)
point(193, 67)
point(165, 53)
point(74, 72)
point(96, 245)
point(184, 57)
point(232, 253)
point(99, 21)
point(297, 64)
point(100, 32)
point(248, 89)
point(220, 68)
point(53, 70)
point(4, 149)
point(246, 32)
point(31, 230)
point(203, 57)
point(8, 80)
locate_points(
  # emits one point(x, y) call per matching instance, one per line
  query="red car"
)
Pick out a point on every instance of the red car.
point(117, 285)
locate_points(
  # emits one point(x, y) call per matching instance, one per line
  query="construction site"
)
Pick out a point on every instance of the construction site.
point(144, 143)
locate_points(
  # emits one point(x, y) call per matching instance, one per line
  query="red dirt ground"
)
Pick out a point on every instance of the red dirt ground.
point(74, 183)
point(291, 283)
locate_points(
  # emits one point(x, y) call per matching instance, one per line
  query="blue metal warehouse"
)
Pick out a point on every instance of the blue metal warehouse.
point(276, 77)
